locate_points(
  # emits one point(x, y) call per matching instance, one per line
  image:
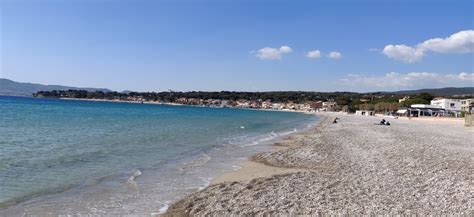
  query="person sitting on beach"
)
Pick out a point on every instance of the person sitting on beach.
point(335, 120)
point(387, 123)
point(382, 122)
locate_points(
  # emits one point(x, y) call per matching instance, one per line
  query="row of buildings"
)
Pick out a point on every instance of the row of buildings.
point(437, 107)
point(259, 104)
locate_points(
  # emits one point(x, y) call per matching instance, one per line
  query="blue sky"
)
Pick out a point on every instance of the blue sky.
point(238, 45)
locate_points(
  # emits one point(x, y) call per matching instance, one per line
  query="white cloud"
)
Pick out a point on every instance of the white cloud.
point(269, 53)
point(463, 76)
point(313, 54)
point(285, 49)
point(334, 55)
point(403, 53)
point(460, 42)
point(394, 80)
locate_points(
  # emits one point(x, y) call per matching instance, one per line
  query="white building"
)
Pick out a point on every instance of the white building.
point(465, 104)
point(267, 104)
point(329, 106)
point(403, 99)
point(424, 106)
point(417, 110)
point(278, 106)
point(447, 104)
point(365, 112)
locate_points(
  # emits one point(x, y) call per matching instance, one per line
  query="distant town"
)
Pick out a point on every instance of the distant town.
point(414, 105)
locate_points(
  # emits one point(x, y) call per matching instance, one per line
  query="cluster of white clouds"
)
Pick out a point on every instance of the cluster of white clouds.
point(271, 53)
point(394, 80)
point(460, 42)
point(334, 55)
point(315, 54)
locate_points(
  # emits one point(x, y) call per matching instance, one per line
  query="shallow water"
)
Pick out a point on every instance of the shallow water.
point(78, 157)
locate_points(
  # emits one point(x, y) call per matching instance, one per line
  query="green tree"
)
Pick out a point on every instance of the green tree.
point(426, 96)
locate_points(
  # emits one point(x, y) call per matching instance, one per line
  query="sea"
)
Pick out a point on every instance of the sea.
point(70, 157)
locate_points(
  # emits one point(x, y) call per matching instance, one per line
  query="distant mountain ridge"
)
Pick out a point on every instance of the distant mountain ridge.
point(13, 88)
point(446, 91)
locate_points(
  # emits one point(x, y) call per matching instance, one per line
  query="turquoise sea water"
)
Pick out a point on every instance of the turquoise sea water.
point(64, 156)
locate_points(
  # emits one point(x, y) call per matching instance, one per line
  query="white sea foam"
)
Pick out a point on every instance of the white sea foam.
point(271, 136)
point(163, 209)
point(207, 182)
point(131, 180)
point(200, 161)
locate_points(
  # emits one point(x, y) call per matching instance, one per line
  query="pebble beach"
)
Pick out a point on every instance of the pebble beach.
point(353, 167)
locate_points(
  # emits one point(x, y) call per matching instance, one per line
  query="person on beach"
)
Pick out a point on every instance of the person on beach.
point(335, 120)
point(384, 122)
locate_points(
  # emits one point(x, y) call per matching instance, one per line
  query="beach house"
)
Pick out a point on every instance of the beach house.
point(267, 104)
point(447, 104)
point(329, 106)
point(437, 107)
point(278, 106)
point(417, 110)
point(451, 105)
point(365, 112)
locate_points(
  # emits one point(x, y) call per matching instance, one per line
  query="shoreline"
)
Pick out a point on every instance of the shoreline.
point(251, 168)
point(248, 168)
point(286, 179)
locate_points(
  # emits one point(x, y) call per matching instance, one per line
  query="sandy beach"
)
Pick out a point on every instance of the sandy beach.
point(352, 167)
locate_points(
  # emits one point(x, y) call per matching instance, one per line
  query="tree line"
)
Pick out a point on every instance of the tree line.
point(350, 101)
point(170, 96)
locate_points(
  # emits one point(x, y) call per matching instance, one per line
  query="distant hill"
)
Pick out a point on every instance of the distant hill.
point(446, 91)
point(12, 88)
